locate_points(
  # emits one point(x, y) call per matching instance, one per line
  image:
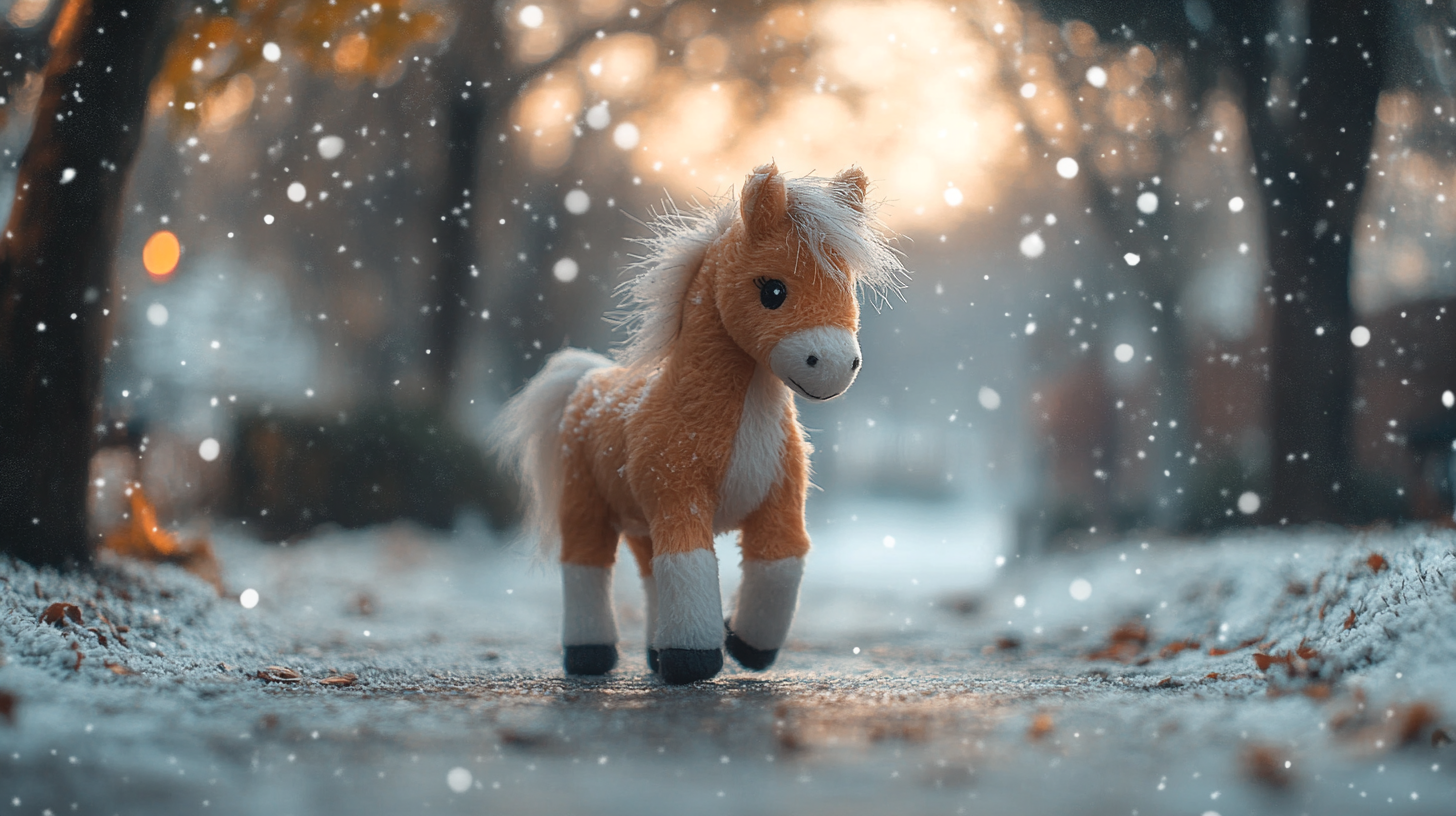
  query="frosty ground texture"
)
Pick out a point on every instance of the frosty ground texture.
point(918, 679)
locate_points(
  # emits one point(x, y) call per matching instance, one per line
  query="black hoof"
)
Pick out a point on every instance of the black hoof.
point(590, 659)
point(747, 656)
point(652, 659)
point(679, 666)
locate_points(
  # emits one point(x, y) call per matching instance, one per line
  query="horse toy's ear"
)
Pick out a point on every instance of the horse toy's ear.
point(857, 184)
point(765, 200)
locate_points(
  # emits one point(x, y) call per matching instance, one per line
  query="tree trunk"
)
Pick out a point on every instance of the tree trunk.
point(1310, 128)
point(465, 115)
point(56, 268)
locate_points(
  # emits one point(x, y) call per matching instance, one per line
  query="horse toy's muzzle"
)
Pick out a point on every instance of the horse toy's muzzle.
point(819, 363)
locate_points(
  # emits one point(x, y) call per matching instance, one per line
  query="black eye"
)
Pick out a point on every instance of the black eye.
point(771, 293)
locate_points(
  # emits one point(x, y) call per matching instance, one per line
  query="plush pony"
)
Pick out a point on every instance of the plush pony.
point(691, 431)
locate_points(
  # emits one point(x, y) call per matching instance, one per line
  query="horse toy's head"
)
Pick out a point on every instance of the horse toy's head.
point(785, 283)
point(782, 270)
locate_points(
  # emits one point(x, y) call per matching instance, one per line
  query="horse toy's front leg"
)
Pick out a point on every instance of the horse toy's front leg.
point(774, 544)
point(689, 635)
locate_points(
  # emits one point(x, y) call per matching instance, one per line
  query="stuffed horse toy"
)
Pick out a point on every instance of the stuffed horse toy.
point(692, 430)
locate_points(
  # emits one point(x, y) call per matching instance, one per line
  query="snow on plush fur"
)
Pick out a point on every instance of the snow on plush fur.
point(732, 310)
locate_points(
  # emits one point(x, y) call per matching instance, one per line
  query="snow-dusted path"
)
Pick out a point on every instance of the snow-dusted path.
point(921, 678)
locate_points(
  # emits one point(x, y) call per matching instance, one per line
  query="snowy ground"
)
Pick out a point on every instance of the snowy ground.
point(920, 678)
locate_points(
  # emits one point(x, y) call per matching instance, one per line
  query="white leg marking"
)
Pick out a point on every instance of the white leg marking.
point(587, 596)
point(766, 601)
point(689, 605)
point(649, 589)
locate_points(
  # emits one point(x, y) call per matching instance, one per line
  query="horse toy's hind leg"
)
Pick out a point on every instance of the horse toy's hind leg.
point(642, 551)
point(588, 551)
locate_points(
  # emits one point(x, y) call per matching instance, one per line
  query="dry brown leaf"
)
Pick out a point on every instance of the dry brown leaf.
point(1268, 765)
point(521, 739)
point(117, 668)
point(279, 674)
point(1126, 643)
point(1216, 652)
point(340, 679)
point(59, 611)
point(364, 604)
point(1177, 646)
point(1412, 721)
point(144, 539)
point(1350, 621)
point(1376, 562)
point(1006, 643)
point(1041, 726)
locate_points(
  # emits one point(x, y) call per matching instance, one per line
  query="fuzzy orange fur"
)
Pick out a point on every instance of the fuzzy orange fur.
point(646, 451)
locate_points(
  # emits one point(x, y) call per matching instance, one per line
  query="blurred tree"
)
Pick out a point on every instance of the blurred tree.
point(55, 267)
point(482, 81)
point(1312, 76)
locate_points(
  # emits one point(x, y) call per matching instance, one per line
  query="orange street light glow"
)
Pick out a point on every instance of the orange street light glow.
point(160, 254)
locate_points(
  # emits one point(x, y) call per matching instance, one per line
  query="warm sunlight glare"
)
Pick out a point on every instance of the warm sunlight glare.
point(905, 89)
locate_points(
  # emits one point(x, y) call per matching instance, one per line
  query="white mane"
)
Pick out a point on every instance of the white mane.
point(842, 235)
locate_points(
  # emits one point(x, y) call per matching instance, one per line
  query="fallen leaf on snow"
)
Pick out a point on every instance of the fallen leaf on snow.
point(1268, 765)
point(1177, 646)
point(1413, 720)
point(279, 674)
point(1216, 652)
point(1376, 562)
point(1317, 691)
point(143, 538)
point(1350, 621)
point(59, 611)
point(1394, 727)
point(1041, 726)
point(117, 668)
point(1126, 643)
point(364, 604)
point(340, 679)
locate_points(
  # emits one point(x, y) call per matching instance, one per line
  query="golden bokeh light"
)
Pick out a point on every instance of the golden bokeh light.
point(547, 113)
point(905, 89)
point(160, 254)
point(351, 54)
point(26, 13)
point(224, 107)
point(618, 67)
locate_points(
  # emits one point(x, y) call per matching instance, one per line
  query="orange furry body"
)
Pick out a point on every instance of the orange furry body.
point(694, 431)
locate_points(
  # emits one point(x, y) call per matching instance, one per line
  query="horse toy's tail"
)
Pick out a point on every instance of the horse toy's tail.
point(527, 437)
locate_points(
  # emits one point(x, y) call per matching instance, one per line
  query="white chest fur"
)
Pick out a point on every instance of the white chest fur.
point(758, 450)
